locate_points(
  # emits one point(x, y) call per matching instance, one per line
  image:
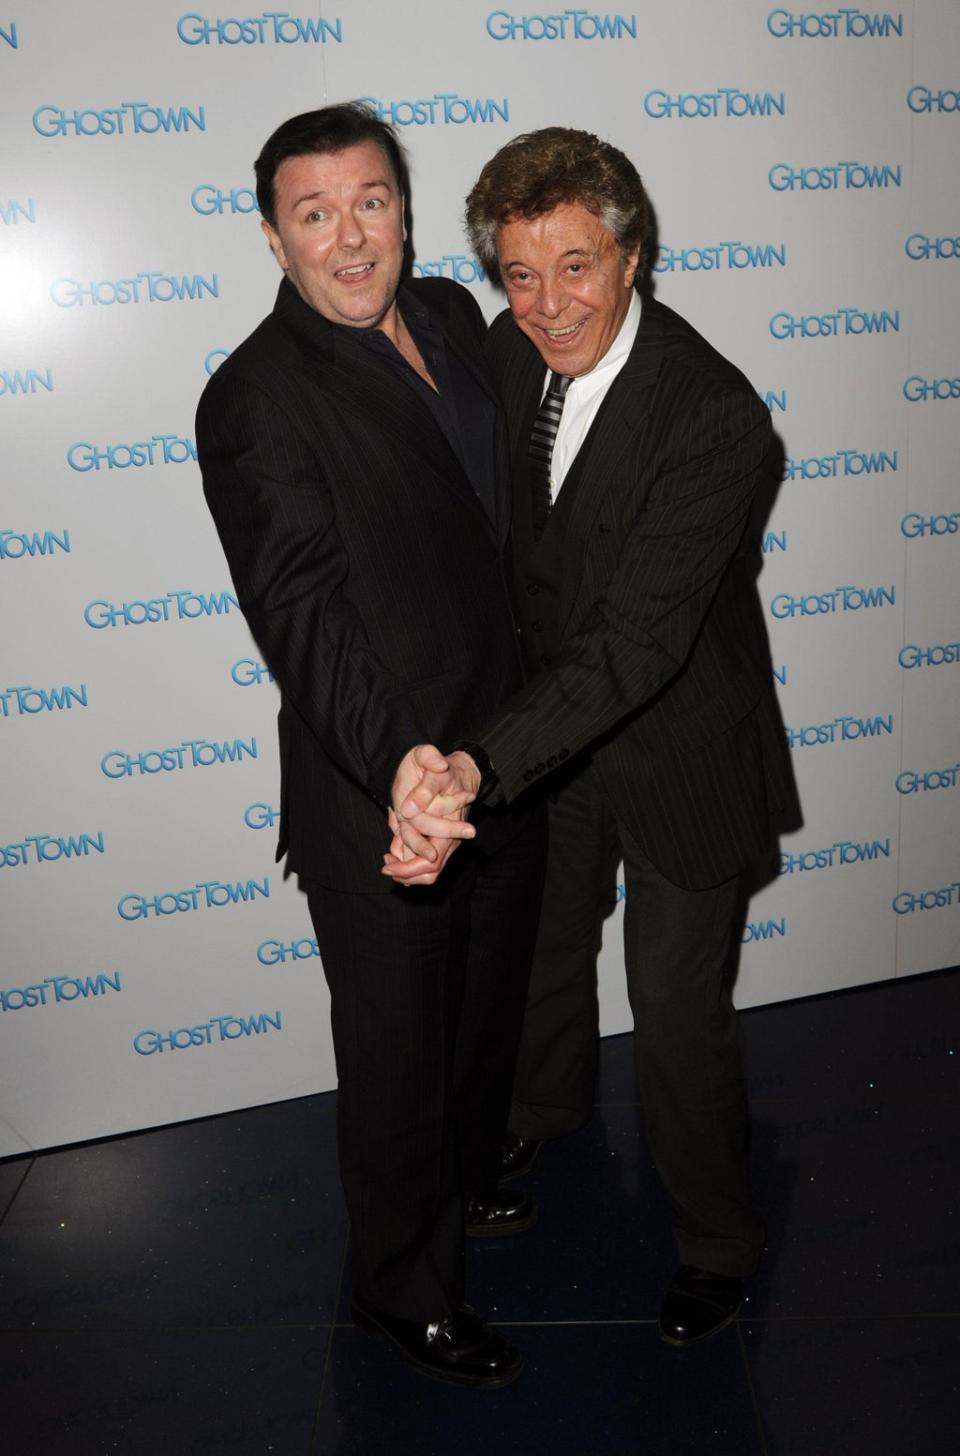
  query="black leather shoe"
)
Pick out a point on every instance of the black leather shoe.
point(462, 1348)
point(517, 1155)
point(504, 1213)
point(697, 1305)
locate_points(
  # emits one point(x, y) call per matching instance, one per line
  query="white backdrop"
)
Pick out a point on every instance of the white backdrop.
point(803, 166)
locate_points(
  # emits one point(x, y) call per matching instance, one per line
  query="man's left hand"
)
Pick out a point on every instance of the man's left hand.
point(430, 797)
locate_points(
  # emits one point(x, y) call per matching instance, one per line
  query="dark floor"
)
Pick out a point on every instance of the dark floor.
point(184, 1290)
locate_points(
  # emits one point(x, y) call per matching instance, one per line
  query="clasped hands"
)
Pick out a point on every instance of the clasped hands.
point(431, 795)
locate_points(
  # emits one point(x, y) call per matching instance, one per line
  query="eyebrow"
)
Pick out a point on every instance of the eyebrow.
point(312, 196)
point(570, 253)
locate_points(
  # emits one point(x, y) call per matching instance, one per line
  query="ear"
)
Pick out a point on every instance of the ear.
point(276, 247)
point(630, 265)
point(403, 216)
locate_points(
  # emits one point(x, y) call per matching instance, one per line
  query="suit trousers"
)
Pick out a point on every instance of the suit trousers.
point(427, 989)
point(677, 948)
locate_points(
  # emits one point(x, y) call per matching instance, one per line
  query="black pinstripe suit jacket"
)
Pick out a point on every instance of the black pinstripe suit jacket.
point(373, 579)
point(640, 613)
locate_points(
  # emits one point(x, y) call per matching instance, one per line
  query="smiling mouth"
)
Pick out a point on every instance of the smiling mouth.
point(357, 270)
point(567, 332)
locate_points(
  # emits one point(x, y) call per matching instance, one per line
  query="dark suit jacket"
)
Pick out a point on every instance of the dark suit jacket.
point(373, 579)
point(639, 608)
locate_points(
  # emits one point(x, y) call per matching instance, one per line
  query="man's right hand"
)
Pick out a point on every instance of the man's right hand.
point(429, 799)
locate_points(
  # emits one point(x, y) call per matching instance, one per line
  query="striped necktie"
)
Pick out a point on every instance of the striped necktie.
point(542, 439)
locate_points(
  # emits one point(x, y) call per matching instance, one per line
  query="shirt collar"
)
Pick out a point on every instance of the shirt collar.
point(616, 356)
point(416, 316)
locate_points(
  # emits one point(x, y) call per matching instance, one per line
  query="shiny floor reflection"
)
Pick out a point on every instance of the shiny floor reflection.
point(184, 1290)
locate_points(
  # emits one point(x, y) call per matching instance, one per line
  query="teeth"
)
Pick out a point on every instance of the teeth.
point(358, 268)
point(559, 333)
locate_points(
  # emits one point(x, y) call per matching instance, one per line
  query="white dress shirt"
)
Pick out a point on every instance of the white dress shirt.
point(585, 396)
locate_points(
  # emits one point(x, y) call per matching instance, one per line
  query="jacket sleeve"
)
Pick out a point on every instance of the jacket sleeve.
point(274, 513)
point(638, 632)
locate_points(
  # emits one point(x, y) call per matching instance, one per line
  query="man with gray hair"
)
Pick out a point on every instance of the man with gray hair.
point(650, 721)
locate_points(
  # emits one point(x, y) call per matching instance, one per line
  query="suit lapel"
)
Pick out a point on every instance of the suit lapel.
point(481, 378)
point(611, 441)
point(521, 385)
point(374, 392)
point(621, 416)
point(523, 388)
point(599, 462)
point(502, 478)
point(614, 431)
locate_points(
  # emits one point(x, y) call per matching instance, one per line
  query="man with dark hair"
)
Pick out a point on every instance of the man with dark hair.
point(351, 450)
point(319, 133)
point(637, 452)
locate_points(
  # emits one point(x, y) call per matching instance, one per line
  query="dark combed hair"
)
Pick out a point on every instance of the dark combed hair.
point(331, 129)
point(538, 171)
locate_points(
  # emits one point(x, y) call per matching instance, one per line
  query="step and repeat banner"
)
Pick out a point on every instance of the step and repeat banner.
point(803, 166)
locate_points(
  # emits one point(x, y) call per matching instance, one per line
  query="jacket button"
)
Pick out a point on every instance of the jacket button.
point(539, 768)
point(546, 661)
point(527, 775)
point(532, 588)
point(537, 625)
point(564, 753)
point(552, 761)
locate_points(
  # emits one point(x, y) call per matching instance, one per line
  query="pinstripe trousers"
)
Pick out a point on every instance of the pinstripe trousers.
point(677, 946)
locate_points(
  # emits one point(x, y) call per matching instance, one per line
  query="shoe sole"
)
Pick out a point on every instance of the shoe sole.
point(519, 1226)
point(698, 1339)
point(366, 1322)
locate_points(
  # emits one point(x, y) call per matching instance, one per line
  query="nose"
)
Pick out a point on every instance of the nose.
point(551, 298)
point(350, 232)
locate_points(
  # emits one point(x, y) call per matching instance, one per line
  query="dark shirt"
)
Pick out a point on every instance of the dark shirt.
point(466, 415)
